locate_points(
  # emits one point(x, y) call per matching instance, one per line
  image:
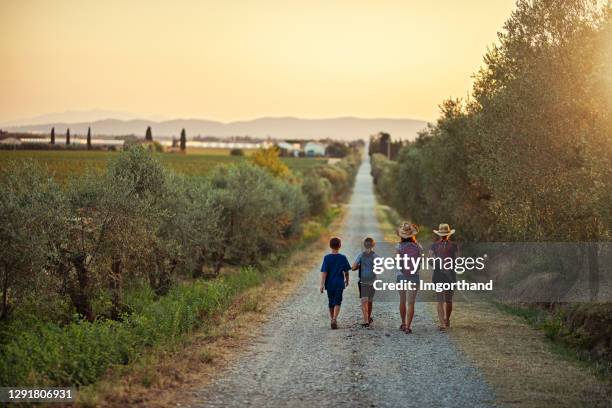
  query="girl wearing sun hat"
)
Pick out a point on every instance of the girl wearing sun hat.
point(444, 249)
point(409, 247)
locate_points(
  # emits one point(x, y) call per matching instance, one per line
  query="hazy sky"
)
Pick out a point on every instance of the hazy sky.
point(230, 60)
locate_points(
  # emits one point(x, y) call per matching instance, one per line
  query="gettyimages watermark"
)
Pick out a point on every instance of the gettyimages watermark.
point(529, 272)
point(449, 267)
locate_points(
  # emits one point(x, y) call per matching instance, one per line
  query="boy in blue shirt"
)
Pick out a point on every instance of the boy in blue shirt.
point(334, 278)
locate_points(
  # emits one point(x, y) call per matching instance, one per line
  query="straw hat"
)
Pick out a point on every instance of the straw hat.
point(407, 230)
point(444, 230)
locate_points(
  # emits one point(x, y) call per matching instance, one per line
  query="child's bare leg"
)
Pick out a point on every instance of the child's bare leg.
point(369, 310)
point(441, 314)
point(449, 310)
point(336, 312)
point(411, 301)
point(364, 309)
point(331, 313)
point(402, 306)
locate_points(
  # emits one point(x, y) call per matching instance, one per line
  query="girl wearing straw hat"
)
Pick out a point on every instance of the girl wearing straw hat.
point(444, 249)
point(409, 247)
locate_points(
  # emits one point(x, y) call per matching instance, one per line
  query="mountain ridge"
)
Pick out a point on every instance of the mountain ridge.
point(343, 128)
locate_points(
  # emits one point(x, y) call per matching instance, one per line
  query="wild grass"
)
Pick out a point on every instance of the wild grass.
point(564, 342)
point(80, 352)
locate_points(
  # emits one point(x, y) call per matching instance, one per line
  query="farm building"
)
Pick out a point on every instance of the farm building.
point(291, 149)
point(10, 141)
point(313, 149)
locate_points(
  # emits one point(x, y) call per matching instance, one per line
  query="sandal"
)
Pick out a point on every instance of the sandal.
point(366, 325)
point(442, 328)
point(371, 320)
point(403, 328)
point(408, 330)
point(334, 325)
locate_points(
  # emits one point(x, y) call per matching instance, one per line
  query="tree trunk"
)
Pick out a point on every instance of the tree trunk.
point(199, 267)
point(79, 293)
point(5, 285)
point(219, 264)
point(115, 288)
point(162, 286)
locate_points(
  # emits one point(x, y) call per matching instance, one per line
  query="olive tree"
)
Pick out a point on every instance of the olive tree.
point(30, 207)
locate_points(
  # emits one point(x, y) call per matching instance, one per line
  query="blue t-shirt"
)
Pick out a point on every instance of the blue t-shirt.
point(335, 265)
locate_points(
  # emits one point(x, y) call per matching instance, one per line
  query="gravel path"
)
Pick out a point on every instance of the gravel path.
point(299, 361)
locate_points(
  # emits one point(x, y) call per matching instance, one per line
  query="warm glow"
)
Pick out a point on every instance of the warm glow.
point(231, 60)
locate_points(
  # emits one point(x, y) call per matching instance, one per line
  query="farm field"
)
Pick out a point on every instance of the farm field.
point(64, 164)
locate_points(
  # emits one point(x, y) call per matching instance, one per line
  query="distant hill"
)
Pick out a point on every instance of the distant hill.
point(344, 128)
point(77, 116)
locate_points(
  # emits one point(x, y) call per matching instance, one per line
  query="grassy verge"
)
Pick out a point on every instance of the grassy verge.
point(80, 352)
point(524, 367)
point(201, 329)
point(566, 342)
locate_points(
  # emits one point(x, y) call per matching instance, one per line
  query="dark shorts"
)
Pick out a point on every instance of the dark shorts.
point(444, 276)
point(366, 291)
point(334, 297)
point(445, 296)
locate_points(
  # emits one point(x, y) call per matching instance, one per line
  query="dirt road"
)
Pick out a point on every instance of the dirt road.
point(299, 361)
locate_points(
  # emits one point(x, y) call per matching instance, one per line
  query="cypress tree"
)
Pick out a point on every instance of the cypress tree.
point(149, 134)
point(88, 138)
point(68, 136)
point(183, 140)
point(52, 135)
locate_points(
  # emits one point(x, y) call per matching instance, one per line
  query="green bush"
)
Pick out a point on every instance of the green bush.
point(135, 221)
point(341, 175)
point(97, 273)
point(316, 191)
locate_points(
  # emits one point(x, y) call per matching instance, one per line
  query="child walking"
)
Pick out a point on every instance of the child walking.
point(444, 249)
point(334, 278)
point(365, 265)
point(410, 248)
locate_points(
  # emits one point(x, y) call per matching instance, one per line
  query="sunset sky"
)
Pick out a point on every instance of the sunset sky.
point(232, 60)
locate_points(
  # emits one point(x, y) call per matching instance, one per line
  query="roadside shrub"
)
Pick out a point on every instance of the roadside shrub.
point(269, 160)
point(337, 149)
point(30, 204)
point(236, 152)
point(94, 275)
point(316, 191)
point(339, 176)
point(254, 219)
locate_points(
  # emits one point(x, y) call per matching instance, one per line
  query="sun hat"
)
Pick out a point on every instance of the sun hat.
point(407, 230)
point(444, 230)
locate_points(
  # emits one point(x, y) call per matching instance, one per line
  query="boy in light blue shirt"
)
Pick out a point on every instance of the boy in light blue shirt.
point(365, 265)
